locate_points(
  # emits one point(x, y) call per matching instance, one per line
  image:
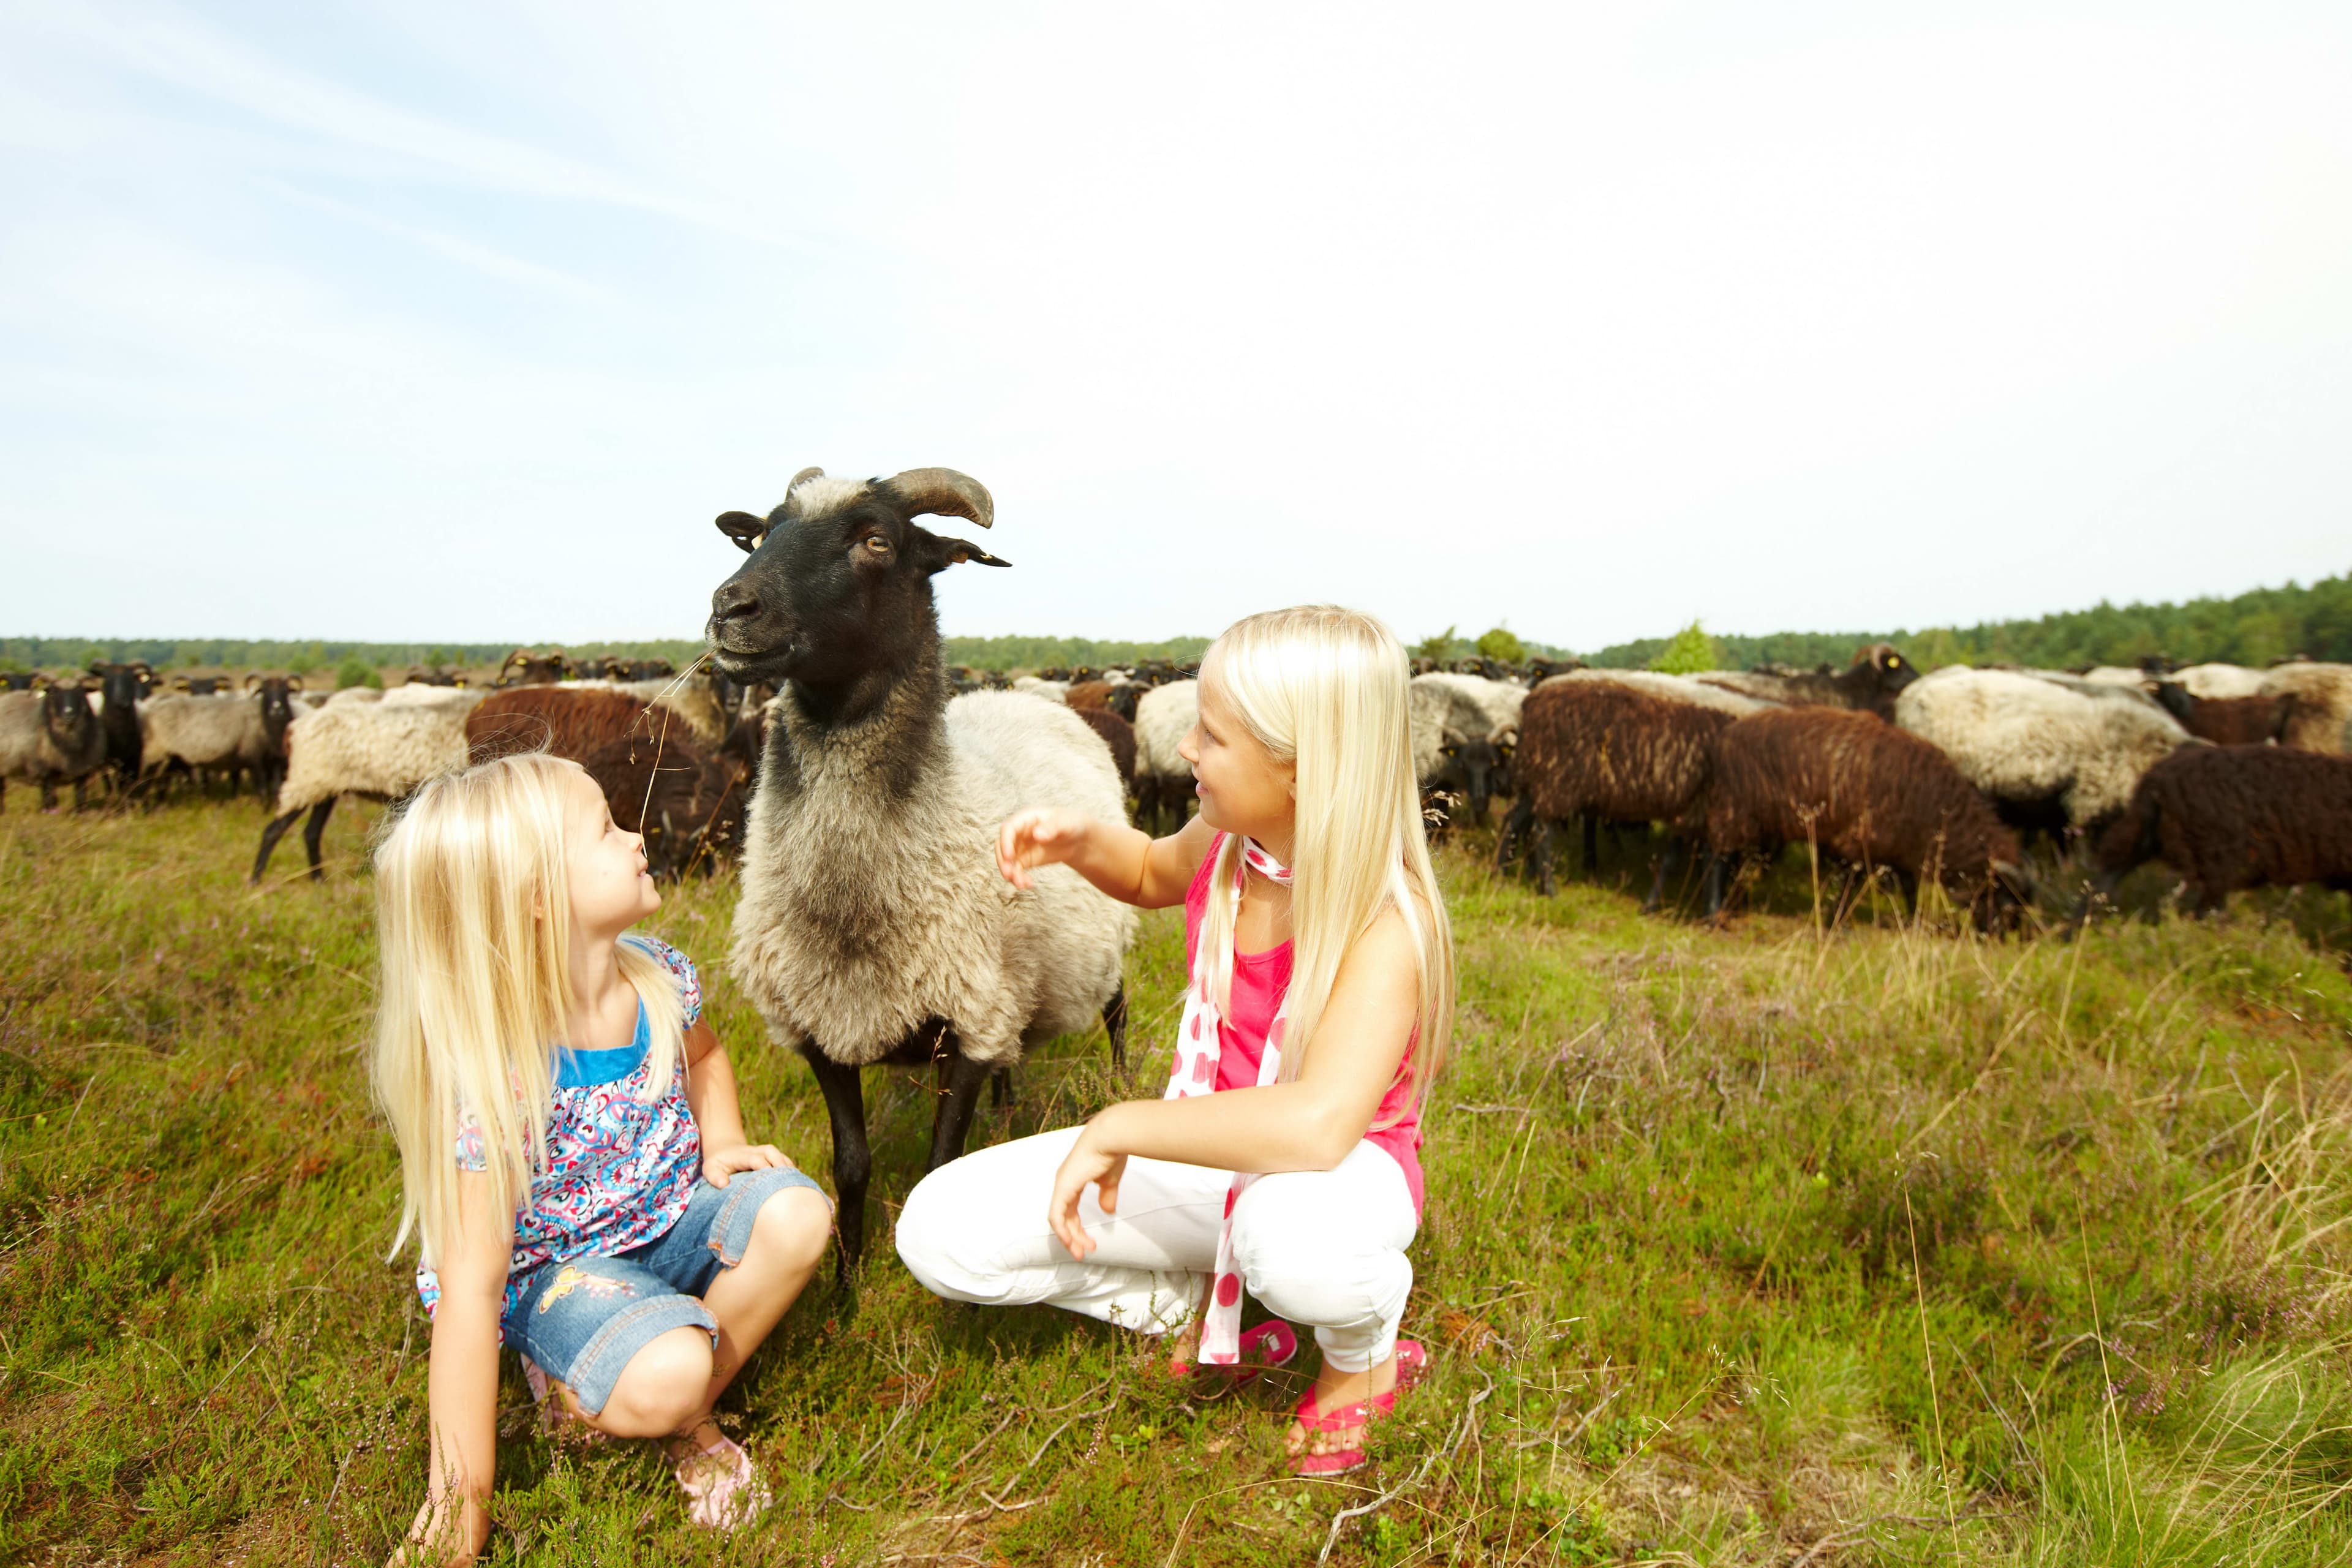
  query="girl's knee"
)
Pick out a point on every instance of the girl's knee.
point(792, 1229)
point(665, 1385)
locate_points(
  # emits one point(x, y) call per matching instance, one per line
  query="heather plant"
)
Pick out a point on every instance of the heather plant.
point(1769, 1244)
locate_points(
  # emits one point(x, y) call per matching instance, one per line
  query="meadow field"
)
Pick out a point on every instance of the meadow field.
point(1760, 1244)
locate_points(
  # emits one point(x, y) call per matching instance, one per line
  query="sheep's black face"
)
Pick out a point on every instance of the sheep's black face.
point(64, 709)
point(832, 593)
point(276, 710)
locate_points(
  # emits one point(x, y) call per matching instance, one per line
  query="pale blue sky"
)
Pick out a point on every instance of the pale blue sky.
point(461, 320)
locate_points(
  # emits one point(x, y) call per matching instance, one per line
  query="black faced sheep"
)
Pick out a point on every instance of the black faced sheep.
point(1163, 779)
point(873, 925)
point(1870, 684)
point(2229, 817)
point(1865, 793)
point(2224, 720)
point(381, 749)
point(50, 736)
point(1464, 727)
point(120, 688)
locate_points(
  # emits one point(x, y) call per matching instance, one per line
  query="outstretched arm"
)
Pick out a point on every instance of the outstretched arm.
point(1125, 862)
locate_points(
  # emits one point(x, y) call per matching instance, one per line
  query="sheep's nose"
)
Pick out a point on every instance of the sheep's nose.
point(734, 600)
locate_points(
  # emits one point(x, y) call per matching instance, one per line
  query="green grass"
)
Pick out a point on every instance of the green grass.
point(1745, 1245)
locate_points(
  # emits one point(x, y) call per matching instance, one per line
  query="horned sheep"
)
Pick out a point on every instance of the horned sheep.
point(49, 736)
point(1870, 682)
point(1464, 727)
point(873, 925)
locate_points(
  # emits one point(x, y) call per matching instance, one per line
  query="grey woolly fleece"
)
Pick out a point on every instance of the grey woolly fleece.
point(871, 901)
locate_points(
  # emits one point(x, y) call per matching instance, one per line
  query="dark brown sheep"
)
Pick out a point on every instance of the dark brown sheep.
point(1117, 698)
point(2228, 817)
point(688, 806)
point(2224, 720)
point(569, 722)
point(1616, 749)
point(1865, 792)
point(1118, 735)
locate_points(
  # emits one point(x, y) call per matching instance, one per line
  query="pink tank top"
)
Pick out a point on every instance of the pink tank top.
point(1259, 980)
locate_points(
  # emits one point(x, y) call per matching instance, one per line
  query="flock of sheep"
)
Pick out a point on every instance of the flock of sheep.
point(824, 749)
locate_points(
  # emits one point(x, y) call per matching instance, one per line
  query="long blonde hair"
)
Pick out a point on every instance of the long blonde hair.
point(473, 922)
point(1323, 688)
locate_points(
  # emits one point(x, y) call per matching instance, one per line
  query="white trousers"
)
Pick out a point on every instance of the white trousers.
point(1324, 1249)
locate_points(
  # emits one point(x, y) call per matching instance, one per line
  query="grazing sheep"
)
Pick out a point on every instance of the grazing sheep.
point(51, 735)
point(2318, 700)
point(1163, 779)
point(568, 720)
point(690, 807)
point(2228, 817)
point(380, 749)
point(2221, 681)
point(1867, 794)
point(873, 924)
point(221, 735)
point(2050, 756)
point(1464, 727)
point(1870, 684)
point(2224, 720)
point(1118, 735)
point(1620, 746)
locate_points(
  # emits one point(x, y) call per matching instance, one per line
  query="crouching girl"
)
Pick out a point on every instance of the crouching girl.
point(1285, 1154)
point(572, 1162)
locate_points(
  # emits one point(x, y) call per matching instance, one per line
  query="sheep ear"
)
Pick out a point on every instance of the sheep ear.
point(941, 553)
point(745, 529)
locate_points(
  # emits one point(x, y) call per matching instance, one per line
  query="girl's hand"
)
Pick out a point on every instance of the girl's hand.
point(442, 1536)
point(1085, 1164)
point(1039, 836)
point(718, 1164)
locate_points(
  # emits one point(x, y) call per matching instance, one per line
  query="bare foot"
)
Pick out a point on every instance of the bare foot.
point(1333, 1390)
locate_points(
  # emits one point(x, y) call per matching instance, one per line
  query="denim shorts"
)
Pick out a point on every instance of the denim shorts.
point(581, 1320)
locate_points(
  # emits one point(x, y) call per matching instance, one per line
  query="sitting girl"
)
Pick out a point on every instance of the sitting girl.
point(573, 1161)
point(1285, 1152)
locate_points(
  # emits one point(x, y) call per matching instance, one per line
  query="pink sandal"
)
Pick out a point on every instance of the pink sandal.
point(1271, 1345)
point(722, 1486)
point(1412, 1363)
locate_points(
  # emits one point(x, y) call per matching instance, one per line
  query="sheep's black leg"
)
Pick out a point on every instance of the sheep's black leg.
point(1715, 864)
point(853, 1162)
point(1512, 834)
point(48, 795)
point(270, 837)
point(1000, 1088)
point(1660, 864)
point(1592, 844)
point(1540, 856)
point(1910, 884)
point(1113, 1016)
point(953, 1122)
point(314, 830)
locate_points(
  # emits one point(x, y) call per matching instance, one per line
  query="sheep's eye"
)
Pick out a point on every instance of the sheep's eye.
point(876, 544)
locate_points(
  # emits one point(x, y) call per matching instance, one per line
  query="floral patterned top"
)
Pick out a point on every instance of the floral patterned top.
point(619, 1171)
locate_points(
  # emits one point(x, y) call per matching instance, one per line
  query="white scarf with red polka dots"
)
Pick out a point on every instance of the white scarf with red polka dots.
point(1198, 1041)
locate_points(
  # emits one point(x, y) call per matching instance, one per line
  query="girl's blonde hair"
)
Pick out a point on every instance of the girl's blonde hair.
point(1323, 688)
point(474, 919)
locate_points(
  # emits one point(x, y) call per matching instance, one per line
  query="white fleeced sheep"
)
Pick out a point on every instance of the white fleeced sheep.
point(2219, 680)
point(1051, 690)
point(382, 750)
point(2318, 700)
point(2046, 752)
point(222, 733)
point(1163, 779)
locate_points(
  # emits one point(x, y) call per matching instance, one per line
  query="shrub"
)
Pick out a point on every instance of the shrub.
point(351, 672)
point(1689, 651)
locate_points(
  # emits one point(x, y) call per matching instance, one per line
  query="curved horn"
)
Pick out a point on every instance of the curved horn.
point(791, 507)
point(252, 679)
point(943, 492)
point(745, 529)
point(510, 664)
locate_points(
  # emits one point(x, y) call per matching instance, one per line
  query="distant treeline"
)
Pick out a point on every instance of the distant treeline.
point(2252, 628)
